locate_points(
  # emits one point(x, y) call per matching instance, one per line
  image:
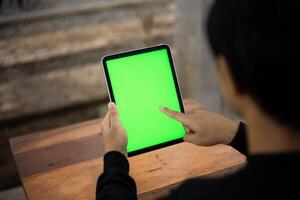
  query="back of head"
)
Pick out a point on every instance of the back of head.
point(260, 41)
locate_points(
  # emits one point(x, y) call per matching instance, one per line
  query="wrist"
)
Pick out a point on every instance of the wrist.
point(115, 160)
point(108, 149)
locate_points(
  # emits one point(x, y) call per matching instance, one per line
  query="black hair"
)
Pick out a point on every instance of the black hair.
point(260, 41)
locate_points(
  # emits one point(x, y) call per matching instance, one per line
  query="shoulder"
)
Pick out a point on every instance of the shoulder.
point(208, 188)
point(233, 186)
point(264, 177)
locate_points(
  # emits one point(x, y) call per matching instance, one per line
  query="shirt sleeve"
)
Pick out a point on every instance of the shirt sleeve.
point(202, 189)
point(240, 140)
point(115, 182)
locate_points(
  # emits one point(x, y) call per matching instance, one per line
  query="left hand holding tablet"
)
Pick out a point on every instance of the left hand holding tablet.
point(113, 133)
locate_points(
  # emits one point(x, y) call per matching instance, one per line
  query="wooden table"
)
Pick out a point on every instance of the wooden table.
point(65, 163)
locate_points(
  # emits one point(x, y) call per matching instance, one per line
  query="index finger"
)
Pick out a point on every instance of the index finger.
point(181, 117)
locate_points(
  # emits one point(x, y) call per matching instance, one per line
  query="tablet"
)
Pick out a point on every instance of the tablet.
point(139, 82)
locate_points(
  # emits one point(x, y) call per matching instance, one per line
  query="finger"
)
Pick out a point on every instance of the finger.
point(105, 122)
point(113, 114)
point(175, 115)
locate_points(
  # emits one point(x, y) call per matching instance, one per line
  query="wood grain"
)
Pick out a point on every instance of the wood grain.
point(152, 171)
point(79, 142)
point(55, 136)
point(8, 172)
point(59, 155)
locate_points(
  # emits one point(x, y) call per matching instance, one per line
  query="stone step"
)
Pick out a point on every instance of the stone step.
point(66, 15)
point(23, 56)
point(52, 91)
point(27, 90)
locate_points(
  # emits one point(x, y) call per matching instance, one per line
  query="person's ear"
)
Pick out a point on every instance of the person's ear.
point(229, 89)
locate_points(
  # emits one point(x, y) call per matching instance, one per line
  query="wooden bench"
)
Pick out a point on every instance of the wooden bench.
point(65, 163)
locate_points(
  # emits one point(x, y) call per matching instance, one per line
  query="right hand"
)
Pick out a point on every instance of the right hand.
point(203, 127)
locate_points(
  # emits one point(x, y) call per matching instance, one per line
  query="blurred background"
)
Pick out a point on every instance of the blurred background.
point(50, 52)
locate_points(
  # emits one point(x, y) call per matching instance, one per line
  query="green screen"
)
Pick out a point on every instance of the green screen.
point(142, 83)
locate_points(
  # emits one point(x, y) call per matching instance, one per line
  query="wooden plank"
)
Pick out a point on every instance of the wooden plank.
point(152, 171)
point(30, 49)
point(8, 172)
point(79, 143)
point(77, 9)
point(74, 151)
point(55, 136)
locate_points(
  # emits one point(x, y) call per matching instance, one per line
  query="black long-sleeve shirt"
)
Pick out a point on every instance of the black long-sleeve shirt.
point(268, 176)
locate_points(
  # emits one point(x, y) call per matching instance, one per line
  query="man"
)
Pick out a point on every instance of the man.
point(255, 48)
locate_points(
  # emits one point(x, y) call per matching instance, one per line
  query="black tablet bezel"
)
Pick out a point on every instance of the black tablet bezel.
point(111, 95)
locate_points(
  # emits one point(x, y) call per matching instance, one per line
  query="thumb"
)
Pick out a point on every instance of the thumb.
point(113, 113)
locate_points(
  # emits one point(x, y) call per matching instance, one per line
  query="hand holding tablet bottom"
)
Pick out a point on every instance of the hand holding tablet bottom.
point(114, 135)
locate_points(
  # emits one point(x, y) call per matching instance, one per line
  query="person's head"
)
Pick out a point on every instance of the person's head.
point(255, 43)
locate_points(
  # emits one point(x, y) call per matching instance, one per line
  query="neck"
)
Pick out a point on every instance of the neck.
point(267, 136)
